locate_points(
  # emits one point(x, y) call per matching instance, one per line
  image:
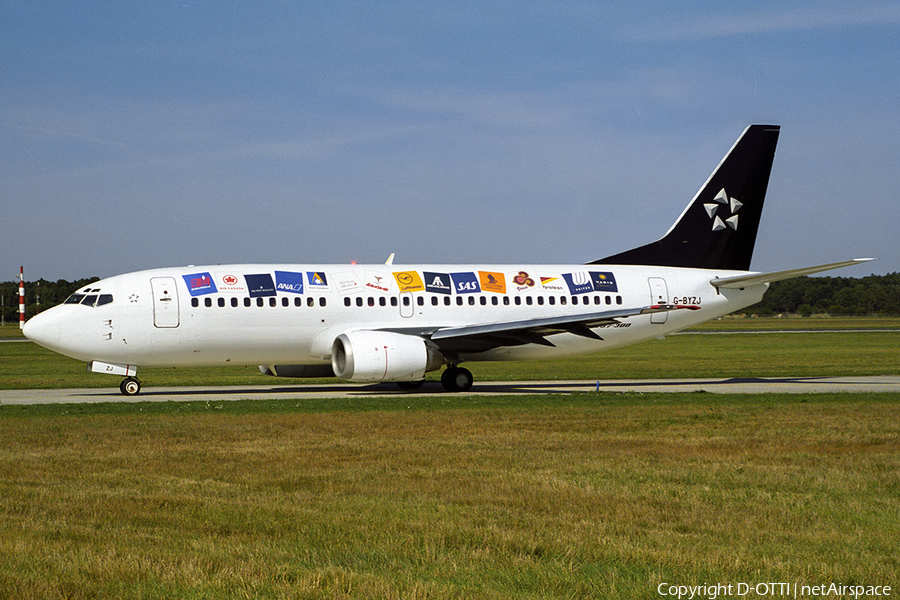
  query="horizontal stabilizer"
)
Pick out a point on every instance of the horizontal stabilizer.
point(744, 281)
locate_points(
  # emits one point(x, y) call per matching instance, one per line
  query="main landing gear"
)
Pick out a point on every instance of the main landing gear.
point(457, 379)
point(130, 386)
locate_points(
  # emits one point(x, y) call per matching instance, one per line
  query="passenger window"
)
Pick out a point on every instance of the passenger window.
point(359, 301)
point(471, 300)
point(459, 301)
point(298, 302)
point(382, 301)
point(207, 302)
point(394, 301)
point(371, 301)
point(405, 300)
point(529, 300)
point(483, 301)
point(260, 302)
point(247, 302)
point(505, 300)
point(310, 302)
point(446, 300)
point(434, 300)
point(195, 302)
point(420, 301)
point(322, 301)
point(540, 300)
point(552, 300)
point(518, 301)
point(495, 300)
point(618, 299)
point(221, 302)
point(608, 300)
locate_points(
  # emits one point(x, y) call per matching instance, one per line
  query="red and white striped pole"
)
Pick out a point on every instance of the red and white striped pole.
point(21, 297)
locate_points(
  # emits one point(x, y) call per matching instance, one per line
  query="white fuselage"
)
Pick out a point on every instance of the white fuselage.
point(291, 314)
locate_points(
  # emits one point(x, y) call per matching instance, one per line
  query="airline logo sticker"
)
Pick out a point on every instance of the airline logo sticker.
point(230, 282)
point(260, 285)
point(288, 281)
point(347, 283)
point(552, 284)
point(409, 281)
point(317, 281)
point(438, 283)
point(522, 281)
point(604, 282)
point(492, 282)
point(579, 283)
point(465, 283)
point(199, 284)
point(378, 282)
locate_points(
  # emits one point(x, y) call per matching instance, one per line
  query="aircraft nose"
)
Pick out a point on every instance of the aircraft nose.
point(43, 329)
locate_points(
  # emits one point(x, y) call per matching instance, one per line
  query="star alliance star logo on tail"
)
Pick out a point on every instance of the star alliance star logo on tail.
point(731, 206)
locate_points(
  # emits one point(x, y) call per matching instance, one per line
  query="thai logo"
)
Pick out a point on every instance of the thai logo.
point(523, 280)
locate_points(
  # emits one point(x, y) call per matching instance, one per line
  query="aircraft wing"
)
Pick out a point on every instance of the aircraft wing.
point(483, 337)
point(744, 281)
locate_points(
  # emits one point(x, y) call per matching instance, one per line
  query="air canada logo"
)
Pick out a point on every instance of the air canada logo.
point(726, 207)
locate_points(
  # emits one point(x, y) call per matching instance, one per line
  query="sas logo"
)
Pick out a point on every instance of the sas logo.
point(199, 284)
point(409, 281)
point(465, 283)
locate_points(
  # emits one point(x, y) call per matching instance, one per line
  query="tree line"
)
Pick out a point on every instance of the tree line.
point(872, 295)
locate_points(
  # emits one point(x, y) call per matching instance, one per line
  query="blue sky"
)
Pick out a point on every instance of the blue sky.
point(138, 135)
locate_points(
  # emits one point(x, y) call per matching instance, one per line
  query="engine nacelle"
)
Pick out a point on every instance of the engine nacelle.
point(369, 356)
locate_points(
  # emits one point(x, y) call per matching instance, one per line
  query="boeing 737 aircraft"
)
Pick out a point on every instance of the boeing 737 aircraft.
point(385, 322)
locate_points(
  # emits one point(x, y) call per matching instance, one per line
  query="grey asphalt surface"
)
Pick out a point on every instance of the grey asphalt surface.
point(740, 385)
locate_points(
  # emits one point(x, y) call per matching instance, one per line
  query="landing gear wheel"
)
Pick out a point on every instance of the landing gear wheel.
point(130, 386)
point(457, 379)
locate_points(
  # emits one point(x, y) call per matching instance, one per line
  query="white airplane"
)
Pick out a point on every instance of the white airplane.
point(386, 322)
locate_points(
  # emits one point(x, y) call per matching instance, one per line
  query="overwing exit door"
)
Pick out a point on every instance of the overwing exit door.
point(165, 302)
point(659, 294)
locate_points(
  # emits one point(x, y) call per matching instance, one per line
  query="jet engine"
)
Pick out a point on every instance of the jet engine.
point(369, 356)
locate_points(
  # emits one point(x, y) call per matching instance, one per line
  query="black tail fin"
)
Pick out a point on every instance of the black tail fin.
point(718, 228)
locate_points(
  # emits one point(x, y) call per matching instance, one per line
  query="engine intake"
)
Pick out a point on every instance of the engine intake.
point(370, 356)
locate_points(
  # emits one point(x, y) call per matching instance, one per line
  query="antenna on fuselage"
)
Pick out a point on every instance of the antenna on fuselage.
point(390, 259)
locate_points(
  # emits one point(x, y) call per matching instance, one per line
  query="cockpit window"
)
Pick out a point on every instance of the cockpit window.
point(90, 299)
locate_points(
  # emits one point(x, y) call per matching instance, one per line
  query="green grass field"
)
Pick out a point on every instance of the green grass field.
point(454, 496)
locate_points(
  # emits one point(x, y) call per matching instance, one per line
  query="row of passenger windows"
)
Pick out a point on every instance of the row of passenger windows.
point(470, 300)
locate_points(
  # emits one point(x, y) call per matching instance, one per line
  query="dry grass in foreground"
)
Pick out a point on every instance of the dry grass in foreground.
point(594, 496)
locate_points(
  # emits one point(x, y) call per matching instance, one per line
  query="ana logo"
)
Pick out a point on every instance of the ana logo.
point(730, 205)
